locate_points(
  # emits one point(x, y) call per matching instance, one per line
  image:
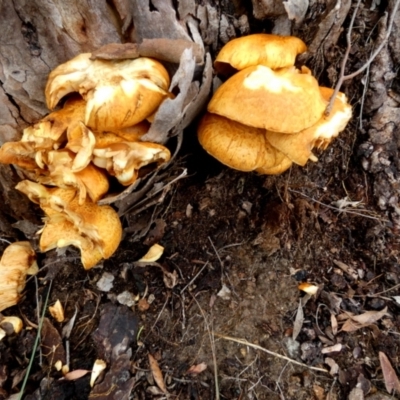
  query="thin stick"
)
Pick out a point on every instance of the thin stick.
point(255, 346)
point(342, 76)
point(344, 61)
point(195, 277)
point(339, 209)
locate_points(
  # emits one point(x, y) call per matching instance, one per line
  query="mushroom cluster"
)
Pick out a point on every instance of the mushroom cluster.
point(268, 114)
point(72, 153)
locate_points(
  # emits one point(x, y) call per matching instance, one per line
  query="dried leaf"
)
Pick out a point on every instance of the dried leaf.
point(171, 111)
point(224, 293)
point(356, 394)
point(116, 51)
point(57, 311)
point(197, 369)
point(332, 349)
point(76, 374)
point(389, 375)
point(157, 374)
point(345, 203)
point(67, 329)
point(298, 322)
point(396, 299)
point(153, 254)
point(356, 322)
point(98, 367)
point(333, 365)
point(170, 278)
point(347, 269)
point(308, 288)
point(334, 324)
point(296, 9)
point(369, 317)
point(51, 343)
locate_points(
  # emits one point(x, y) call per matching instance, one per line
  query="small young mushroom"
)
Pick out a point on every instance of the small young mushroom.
point(272, 51)
point(18, 260)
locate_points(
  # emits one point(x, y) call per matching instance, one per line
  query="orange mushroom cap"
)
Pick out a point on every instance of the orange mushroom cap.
point(60, 232)
point(298, 147)
point(272, 51)
point(239, 146)
point(119, 93)
point(281, 101)
point(96, 230)
point(90, 180)
point(54, 126)
point(124, 159)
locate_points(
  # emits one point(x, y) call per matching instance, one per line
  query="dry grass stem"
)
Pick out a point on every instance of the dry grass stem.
point(342, 210)
point(195, 277)
point(211, 335)
point(255, 346)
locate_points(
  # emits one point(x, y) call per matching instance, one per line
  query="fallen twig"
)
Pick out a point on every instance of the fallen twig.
point(339, 209)
point(256, 346)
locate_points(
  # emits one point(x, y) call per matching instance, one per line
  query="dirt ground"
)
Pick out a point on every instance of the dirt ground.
point(221, 313)
point(240, 244)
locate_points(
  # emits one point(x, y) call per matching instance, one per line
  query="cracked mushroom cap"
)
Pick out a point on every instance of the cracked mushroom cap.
point(53, 128)
point(124, 159)
point(90, 180)
point(130, 134)
point(111, 107)
point(119, 93)
point(50, 200)
point(95, 230)
point(239, 146)
point(272, 51)
point(19, 153)
point(18, 260)
point(298, 147)
point(281, 101)
point(60, 232)
point(81, 141)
